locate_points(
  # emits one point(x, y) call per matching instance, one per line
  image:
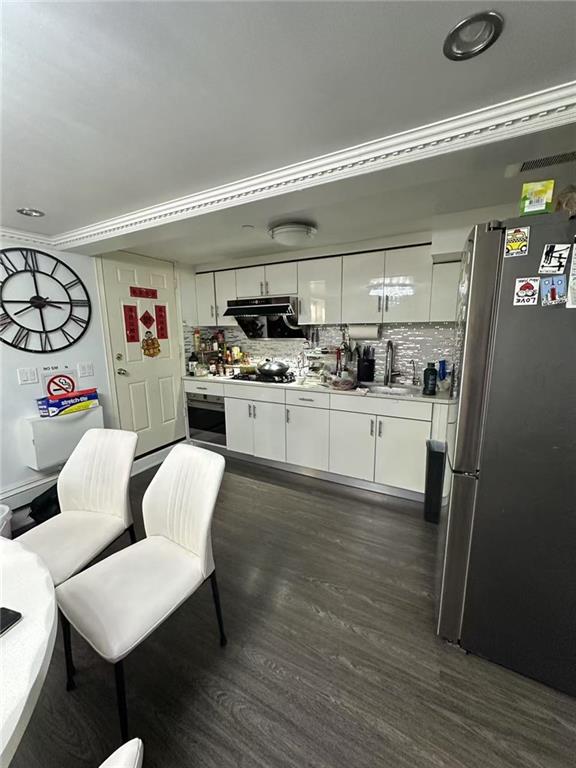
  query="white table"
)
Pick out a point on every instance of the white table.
point(26, 648)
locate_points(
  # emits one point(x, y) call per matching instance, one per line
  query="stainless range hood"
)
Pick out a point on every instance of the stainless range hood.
point(267, 317)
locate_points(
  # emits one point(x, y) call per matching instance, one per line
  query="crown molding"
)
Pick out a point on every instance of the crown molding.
point(45, 241)
point(531, 113)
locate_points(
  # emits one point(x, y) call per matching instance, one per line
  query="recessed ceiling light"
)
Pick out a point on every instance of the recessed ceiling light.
point(473, 35)
point(293, 233)
point(35, 212)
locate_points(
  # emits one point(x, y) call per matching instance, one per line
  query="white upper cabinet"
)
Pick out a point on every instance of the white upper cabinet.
point(281, 279)
point(206, 300)
point(445, 280)
point(188, 301)
point(225, 283)
point(363, 287)
point(408, 285)
point(271, 280)
point(320, 291)
point(250, 282)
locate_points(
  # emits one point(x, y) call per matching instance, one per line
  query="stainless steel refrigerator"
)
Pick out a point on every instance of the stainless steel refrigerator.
point(507, 575)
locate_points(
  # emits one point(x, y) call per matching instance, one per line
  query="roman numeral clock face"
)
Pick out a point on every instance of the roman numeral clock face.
point(44, 304)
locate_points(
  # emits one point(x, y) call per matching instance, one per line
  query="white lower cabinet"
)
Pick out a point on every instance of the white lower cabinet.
point(401, 453)
point(269, 431)
point(352, 444)
point(239, 425)
point(256, 428)
point(308, 437)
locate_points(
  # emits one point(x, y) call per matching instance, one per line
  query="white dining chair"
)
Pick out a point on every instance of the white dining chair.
point(94, 504)
point(120, 601)
point(129, 755)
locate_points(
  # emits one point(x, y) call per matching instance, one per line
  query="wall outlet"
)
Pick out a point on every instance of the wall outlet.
point(85, 370)
point(27, 375)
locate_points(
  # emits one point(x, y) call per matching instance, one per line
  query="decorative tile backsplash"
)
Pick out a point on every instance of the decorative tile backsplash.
point(421, 342)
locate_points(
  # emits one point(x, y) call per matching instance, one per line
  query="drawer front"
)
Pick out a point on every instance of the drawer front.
point(203, 386)
point(308, 399)
point(258, 394)
point(380, 406)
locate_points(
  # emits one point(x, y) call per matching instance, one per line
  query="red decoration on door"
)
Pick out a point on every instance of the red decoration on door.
point(143, 293)
point(147, 320)
point(161, 321)
point(131, 323)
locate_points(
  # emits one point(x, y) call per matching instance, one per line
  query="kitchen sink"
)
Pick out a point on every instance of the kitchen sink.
point(396, 389)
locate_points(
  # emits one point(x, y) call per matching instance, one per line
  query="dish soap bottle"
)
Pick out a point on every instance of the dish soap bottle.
point(430, 378)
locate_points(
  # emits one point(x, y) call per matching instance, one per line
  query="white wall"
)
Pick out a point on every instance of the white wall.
point(19, 483)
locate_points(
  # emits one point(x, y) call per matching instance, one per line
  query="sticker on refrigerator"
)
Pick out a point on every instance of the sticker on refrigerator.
point(536, 197)
point(554, 258)
point(517, 240)
point(526, 291)
point(553, 290)
point(571, 298)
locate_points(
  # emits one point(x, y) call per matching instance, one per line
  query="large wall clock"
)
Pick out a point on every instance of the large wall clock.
point(45, 306)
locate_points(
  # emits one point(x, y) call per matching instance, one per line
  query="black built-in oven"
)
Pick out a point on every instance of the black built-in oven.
point(206, 418)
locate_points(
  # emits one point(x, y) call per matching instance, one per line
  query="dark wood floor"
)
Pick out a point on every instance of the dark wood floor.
point(331, 660)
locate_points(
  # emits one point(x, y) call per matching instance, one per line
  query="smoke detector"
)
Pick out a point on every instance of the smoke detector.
point(293, 233)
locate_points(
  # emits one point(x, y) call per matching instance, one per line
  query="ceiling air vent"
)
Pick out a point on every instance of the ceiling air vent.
point(544, 162)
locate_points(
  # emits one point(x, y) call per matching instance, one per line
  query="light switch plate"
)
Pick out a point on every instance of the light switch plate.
point(27, 375)
point(85, 369)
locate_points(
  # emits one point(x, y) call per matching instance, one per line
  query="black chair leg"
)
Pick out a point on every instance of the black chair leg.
point(132, 534)
point(121, 697)
point(216, 596)
point(70, 670)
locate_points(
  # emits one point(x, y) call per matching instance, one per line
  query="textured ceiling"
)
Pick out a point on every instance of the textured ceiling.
point(112, 106)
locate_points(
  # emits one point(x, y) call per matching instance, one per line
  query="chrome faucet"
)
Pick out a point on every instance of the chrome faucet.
point(390, 373)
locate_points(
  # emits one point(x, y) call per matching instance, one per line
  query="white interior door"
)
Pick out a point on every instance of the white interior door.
point(239, 425)
point(145, 344)
point(408, 285)
point(401, 453)
point(269, 431)
point(225, 284)
point(352, 444)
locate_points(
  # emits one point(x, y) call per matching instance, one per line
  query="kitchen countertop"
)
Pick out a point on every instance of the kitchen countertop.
point(442, 398)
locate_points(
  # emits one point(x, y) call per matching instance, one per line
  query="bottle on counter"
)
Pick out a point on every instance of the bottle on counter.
point(430, 380)
point(197, 340)
point(192, 364)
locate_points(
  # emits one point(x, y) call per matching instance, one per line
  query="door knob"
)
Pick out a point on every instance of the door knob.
point(122, 371)
point(119, 356)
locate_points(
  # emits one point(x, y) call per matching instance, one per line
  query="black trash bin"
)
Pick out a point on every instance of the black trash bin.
point(435, 466)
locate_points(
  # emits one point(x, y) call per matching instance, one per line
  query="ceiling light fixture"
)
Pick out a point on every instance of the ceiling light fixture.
point(473, 35)
point(34, 212)
point(293, 233)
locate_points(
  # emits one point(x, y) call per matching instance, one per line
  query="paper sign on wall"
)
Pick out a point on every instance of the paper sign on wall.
point(59, 382)
point(571, 297)
point(517, 240)
point(161, 321)
point(553, 290)
point(131, 323)
point(526, 291)
point(554, 258)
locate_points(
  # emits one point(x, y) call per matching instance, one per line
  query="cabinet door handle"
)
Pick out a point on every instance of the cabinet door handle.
point(203, 388)
point(287, 416)
point(306, 399)
point(211, 310)
point(249, 411)
point(379, 429)
point(253, 411)
point(371, 427)
point(379, 304)
point(386, 307)
point(261, 289)
point(267, 289)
